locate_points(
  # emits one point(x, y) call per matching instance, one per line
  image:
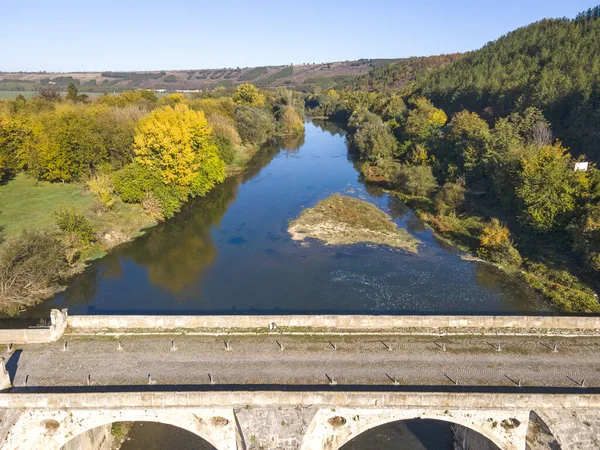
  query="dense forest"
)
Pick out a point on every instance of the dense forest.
point(473, 149)
point(553, 65)
point(404, 72)
point(139, 157)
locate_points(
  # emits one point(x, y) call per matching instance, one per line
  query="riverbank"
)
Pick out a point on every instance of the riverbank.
point(464, 230)
point(28, 205)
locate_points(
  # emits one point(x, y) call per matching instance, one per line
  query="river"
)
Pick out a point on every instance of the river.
point(230, 253)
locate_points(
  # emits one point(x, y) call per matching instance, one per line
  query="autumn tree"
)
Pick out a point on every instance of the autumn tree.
point(247, 94)
point(176, 142)
point(424, 120)
point(496, 246)
point(69, 146)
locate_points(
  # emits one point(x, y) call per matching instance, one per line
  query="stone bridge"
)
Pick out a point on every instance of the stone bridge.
point(300, 382)
point(306, 420)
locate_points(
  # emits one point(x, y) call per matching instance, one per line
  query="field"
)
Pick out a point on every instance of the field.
point(11, 95)
point(267, 76)
point(27, 204)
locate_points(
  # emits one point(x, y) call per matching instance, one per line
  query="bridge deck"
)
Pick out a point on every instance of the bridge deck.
point(306, 360)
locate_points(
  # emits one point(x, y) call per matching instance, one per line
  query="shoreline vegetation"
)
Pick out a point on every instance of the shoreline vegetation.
point(489, 149)
point(457, 197)
point(80, 177)
point(342, 220)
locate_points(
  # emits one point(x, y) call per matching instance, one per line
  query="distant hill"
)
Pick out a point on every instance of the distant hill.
point(553, 64)
point(299, 75)
point(399, 73)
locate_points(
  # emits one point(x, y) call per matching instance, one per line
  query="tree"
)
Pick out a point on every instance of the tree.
point(424, 120)
point(496, 245)
point(291, 123)
point(371, 137)
point(31, 267)
point(73, 94)
point(73, 145)
point(177, 143)
point(469, 135)
point(547, 187)
point(450, 197)
point(248, 95)
point(417, 180)
point(254, 125)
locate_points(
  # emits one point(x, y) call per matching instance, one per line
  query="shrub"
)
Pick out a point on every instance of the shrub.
point(496, 245)
point(169, 198)
point(224, 127)
point(450, 197)
point(103, 190)
point(416, 180)
point(226, 137)
point(70, 222)
point(225, 149)
point(254, 125)
point(152, 207)
point(562, 288)
point(133, 181)
point(291, 122)
point(31, 267)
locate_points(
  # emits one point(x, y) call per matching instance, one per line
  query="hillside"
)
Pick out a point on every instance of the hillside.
point(303, 75)
point(553, 64)
point(400, 73)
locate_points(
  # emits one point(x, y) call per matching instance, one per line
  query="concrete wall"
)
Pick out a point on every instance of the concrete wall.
point(98, 438)
point(58, 324)
point(493, 325)
point(496, 324)
point(468, 439)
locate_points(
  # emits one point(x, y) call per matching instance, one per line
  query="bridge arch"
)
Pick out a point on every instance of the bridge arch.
point(500, 427)
point(53, 429)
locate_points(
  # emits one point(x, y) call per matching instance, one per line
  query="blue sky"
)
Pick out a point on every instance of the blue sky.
point(61, 35)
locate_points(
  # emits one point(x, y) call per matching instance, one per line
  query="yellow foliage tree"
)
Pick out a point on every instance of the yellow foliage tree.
point(494, 235)
point(424, 120)
point(176, 142)
point(291, 122)
point(496, 245)
point(247, 94)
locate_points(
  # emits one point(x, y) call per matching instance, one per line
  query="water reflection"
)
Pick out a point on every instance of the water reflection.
point(230, 252)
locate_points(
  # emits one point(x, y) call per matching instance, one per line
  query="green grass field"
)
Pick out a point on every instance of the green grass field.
point(27, 204)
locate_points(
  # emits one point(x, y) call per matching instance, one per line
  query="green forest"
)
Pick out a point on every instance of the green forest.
point(484, 149)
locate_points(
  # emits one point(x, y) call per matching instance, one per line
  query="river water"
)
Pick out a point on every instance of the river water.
point(230, 253)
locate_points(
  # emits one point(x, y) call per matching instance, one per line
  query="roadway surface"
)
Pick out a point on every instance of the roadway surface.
point(306, 360)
